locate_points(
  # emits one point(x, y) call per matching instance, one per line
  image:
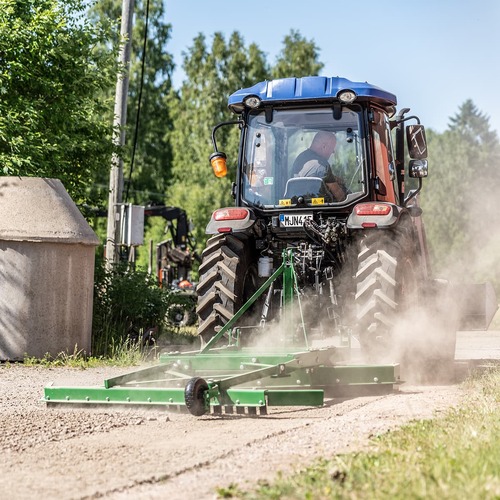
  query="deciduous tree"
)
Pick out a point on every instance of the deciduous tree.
point(51, 83)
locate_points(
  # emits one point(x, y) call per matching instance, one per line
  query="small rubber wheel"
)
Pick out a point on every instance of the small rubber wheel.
point(194, 396)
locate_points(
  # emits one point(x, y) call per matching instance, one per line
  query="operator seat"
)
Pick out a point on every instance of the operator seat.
point(309, 187)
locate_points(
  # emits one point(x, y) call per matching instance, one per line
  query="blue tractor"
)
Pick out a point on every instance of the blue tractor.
point(327, 169)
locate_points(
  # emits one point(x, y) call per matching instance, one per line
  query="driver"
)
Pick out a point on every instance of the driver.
point(313, 162)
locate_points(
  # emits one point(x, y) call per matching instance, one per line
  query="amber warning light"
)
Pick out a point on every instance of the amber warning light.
point(218, 162)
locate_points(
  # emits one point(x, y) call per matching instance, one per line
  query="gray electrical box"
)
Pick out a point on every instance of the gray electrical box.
point(132, 225)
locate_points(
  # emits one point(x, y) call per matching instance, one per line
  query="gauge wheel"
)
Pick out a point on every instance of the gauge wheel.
point(194, 396)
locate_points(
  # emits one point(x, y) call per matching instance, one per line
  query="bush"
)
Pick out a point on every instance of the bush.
point(126, 305)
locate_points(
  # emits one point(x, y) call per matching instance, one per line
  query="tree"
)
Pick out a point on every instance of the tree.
point(299, 57)
point(474, 126)
point(460, 196)
point(51, 81)
point(147, 155)
point(211, 75)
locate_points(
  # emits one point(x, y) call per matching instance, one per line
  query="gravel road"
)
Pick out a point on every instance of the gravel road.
point(71, 453)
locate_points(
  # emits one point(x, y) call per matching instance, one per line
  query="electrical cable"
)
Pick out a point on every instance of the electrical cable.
point(138, 114)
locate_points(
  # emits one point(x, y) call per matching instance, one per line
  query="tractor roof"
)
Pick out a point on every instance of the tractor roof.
point(307, 89)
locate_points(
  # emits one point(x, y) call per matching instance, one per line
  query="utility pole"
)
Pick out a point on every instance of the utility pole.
point(120, 120)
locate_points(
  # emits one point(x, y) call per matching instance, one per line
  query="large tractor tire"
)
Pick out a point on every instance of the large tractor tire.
point(386, 291)
point(228, 277)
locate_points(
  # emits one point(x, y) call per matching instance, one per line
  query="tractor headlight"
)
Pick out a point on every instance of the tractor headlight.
point(252, 101)
point(346, 96)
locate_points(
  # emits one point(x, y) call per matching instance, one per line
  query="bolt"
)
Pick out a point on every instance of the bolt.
point(242, 367)
point(375, 379)
point(87, 399)
point(171, 400)
point(337, 381)
point(261, 403)
point(254, 360)
point(237, 401)
point(67, 398)
point(107, 398)
point(299, 382)
point(149, 400)
point(128, 400)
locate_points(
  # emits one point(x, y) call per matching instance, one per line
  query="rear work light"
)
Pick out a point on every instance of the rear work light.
point(372, 209)
point(231, 214)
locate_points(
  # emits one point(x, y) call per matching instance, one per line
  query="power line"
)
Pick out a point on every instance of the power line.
point(138, 114)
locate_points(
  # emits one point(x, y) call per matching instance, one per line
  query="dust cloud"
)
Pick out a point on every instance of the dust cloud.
point(457, 297)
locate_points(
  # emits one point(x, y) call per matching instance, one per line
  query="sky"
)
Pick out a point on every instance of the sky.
point(432, 54)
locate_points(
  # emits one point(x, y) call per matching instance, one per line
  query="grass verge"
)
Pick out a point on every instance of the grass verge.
point(454, 457)
point(121, 353)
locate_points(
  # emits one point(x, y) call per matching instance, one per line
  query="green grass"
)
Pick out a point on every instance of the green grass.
point(126, 354)
point(454, 457)
point(121, 353)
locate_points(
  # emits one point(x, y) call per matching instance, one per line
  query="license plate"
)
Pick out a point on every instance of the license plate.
point(293, 220)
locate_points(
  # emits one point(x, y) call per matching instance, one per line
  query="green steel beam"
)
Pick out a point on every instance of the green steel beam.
point(175, 397)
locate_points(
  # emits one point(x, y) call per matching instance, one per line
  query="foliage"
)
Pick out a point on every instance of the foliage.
point(51, 77)
point(126, 305)
point(459, 197)
point(299, 57)
point(452, 457)
point(147, 156)
point(211, 75)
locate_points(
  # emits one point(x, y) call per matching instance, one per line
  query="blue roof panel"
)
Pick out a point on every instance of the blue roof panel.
point(311, 88)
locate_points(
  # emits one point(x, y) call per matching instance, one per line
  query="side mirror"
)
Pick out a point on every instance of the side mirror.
point(417, 169)
point(417, 144)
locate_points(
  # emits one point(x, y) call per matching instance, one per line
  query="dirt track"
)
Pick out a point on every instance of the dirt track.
point(68, 453)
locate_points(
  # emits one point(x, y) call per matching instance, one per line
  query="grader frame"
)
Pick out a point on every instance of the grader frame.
point(242, 379)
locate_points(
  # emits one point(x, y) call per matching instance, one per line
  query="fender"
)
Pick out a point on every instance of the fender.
point(231, 220)
point(375, 214)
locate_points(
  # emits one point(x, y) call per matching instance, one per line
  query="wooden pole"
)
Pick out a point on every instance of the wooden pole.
point(120, 120)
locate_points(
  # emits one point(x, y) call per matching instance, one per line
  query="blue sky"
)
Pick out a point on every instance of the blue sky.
point(433, 54)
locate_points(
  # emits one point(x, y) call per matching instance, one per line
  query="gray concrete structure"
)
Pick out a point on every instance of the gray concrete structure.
point(46, 270)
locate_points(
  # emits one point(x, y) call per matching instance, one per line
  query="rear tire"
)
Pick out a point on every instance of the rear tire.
point(386, 289)
point(228, 277)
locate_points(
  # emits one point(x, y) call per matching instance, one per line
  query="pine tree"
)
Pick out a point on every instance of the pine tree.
point(460, 197)
point(212, 73)
point(299, 57)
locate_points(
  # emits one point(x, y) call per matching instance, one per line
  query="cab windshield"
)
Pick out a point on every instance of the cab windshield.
point(303, 157)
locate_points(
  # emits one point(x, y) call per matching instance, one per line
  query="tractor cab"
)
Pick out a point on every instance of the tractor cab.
point(268, 178)
point(281, 121)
